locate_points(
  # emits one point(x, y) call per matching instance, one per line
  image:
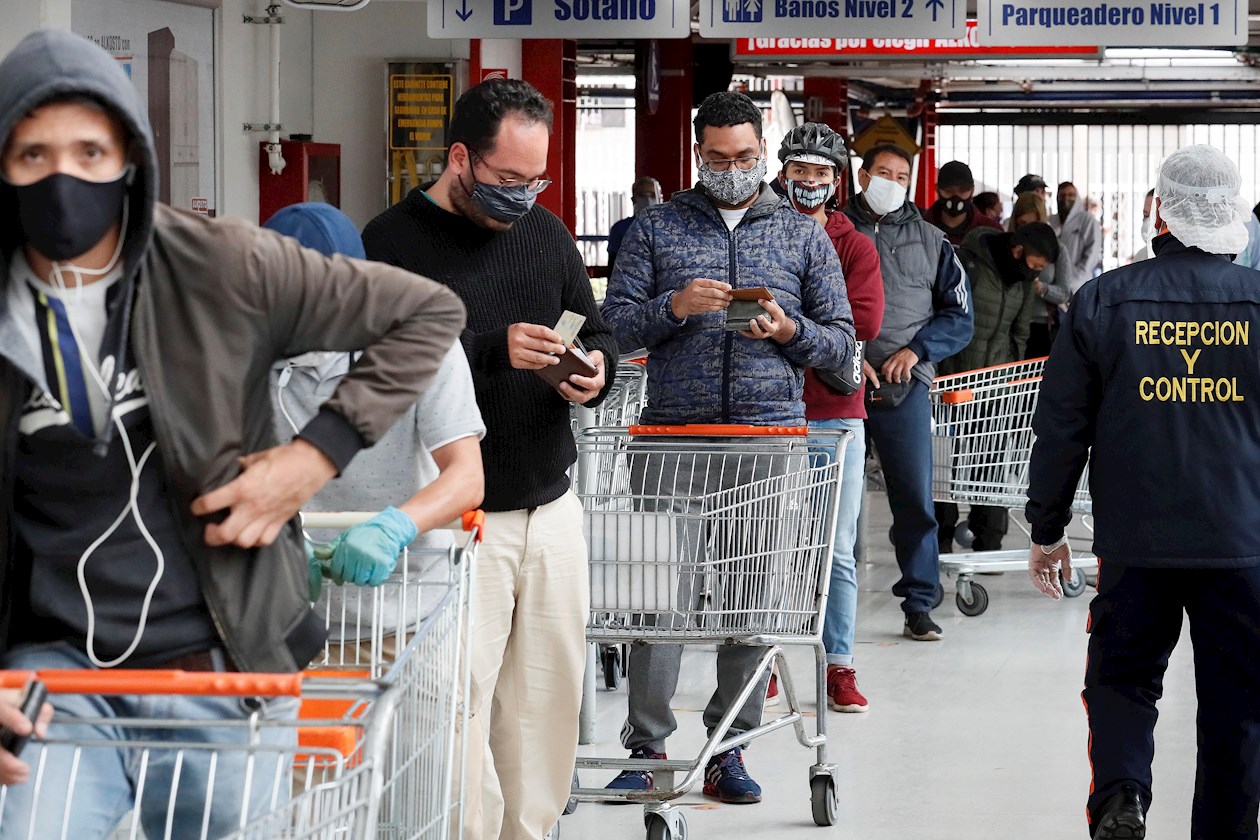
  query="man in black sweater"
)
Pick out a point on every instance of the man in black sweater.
point(515, 265)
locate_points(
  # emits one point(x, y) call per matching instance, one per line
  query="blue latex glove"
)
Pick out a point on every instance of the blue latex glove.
point(367, 554)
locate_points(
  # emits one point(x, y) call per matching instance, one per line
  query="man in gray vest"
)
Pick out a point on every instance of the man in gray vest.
point(927, 318)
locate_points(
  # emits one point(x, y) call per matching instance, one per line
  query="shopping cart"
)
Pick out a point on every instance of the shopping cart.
point(628, 396)
point(621, 407)
point(712, 534)
point(244, 778)
point(623, 403)
point(413, 631)
point(379, 731)
point(982, 440)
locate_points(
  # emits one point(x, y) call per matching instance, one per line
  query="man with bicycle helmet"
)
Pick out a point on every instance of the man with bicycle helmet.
point(813, 156)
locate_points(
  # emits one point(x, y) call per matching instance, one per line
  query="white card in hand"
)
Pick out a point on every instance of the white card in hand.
point(569, 326)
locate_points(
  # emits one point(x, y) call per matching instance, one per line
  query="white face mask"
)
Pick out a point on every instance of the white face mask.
point(884, 196)
point(1148, 229)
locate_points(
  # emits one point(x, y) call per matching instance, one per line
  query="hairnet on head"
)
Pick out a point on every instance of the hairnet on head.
point(1198, 191)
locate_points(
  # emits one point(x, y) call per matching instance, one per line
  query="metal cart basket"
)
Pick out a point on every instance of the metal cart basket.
point(982, 440)
point(712, 534)
point(375, 743)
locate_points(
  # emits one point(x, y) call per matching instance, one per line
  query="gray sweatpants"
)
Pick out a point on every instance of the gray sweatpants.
point(680, 481)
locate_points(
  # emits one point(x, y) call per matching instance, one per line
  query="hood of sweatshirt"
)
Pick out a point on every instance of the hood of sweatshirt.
point(319, 226)
point(52, 64)
point(839, 226)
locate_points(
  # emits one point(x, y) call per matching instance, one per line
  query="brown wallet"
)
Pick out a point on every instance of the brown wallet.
point(745, 306)
point(574, 361)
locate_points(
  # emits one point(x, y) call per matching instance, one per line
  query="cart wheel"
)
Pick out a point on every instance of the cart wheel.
point(611, 657)
point(658, 828)
point(571, 805)
point(822, 796)
point(976, 604)
point(940, 595)
point(964, 537)
point(1074, 587)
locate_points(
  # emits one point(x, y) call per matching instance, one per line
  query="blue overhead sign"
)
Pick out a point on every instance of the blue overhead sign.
point(1149, 24)
point(559, 18)
point(833, 18)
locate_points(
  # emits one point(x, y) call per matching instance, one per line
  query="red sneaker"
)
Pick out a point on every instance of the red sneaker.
point(773, 695)
point(842, 690)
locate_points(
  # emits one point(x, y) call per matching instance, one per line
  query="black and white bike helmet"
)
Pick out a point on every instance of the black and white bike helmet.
point(815, 143)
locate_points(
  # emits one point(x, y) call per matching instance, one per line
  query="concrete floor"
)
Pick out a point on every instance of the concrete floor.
point(978, 737)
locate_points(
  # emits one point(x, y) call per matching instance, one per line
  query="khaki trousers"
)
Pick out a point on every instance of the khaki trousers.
point(530, 607)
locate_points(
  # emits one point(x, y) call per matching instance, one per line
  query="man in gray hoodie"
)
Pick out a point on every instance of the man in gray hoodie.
point(146, 513)
point(927, 318)
point(1080, 237)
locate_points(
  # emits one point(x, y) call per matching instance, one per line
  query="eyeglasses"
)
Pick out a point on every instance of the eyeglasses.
point(535, 185)
point(744, 164)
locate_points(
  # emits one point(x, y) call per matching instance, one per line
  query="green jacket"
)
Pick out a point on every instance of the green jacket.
point(1003, 310)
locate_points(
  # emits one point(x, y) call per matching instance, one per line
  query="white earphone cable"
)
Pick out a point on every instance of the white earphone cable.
point(136, 468)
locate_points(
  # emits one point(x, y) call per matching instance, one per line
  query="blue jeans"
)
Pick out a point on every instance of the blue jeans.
point(841, 619)
point(903, 438)
point(160, 782)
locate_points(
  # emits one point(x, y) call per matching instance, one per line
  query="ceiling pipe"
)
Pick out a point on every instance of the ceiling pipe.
point(275, 158)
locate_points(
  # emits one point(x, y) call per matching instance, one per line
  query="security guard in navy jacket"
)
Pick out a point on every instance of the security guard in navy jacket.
point(1155, 380)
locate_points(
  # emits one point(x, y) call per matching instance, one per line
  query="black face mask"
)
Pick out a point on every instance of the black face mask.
point(955, 206)
point(63, 217)
point(1028, 271)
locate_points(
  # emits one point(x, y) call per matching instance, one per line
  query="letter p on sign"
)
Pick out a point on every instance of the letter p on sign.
point(513, 12)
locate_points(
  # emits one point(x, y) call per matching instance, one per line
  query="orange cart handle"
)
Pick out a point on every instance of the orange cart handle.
point(944, 378)
point(159, 682)
point(718, 430)
point(475, 519)
point(964, 395)
point(348, 519)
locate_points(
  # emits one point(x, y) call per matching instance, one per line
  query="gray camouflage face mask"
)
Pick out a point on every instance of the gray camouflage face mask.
point(734, 186)
point(503, 204)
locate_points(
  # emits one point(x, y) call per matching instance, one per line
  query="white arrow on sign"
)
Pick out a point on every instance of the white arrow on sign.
point(945, 19)
point(559, 18)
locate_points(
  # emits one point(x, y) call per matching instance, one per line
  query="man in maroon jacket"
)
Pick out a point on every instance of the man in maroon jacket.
point(954, 212)
point(813, 156)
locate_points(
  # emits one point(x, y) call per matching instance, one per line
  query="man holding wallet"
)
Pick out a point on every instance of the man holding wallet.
point(729, 350)
point(928, 319)
point(518, 272)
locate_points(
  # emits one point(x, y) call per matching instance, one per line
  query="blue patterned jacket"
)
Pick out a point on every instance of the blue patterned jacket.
point(698, 372)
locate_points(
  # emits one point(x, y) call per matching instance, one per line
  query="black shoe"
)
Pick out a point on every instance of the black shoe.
point(1121, 817)
point(921, 628)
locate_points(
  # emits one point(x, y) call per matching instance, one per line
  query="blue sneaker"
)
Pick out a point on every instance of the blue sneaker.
point(726, 779)
point(635, 780)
